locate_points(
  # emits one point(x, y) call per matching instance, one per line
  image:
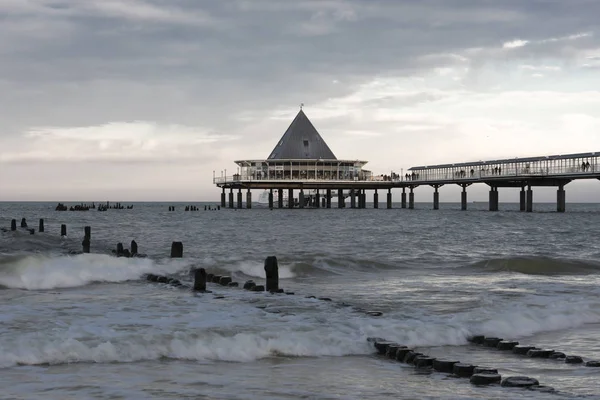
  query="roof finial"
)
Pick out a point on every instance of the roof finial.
point(301, 105)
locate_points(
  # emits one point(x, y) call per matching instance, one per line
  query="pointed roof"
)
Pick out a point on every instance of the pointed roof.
point(301, 141)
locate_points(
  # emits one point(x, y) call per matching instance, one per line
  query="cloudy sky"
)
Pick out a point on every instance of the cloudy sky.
point(143, 99)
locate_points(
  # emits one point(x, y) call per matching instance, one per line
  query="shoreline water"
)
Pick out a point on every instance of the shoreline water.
point(74, 323)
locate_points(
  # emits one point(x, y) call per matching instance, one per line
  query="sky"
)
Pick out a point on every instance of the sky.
point(133, 100)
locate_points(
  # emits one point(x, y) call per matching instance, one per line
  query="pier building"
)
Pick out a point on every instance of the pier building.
point(302, 163)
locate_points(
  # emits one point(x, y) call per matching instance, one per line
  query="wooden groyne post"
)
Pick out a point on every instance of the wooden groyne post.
point(176, 250)
point(272, 272)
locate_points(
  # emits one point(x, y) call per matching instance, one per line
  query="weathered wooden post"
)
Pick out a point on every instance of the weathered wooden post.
point(200, 280)
point(63, 230)
point(134, 248)
point(176, 250)
point(85, 243)
point(13, 225)
point(87, 237)
point(120, 250)
point(23, 223)
point(41, 227)
point(272, 272)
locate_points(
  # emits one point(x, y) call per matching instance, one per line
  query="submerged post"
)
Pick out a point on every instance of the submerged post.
point(41, 226)
point(522, 199)
point(493, 203)
point(436, 198)
point(529, 199)
point(272, 272)
point(134, 248)
point(13, 225)
point(403, 198)
point(280, 198)
point(176, 250)
point(87, 237)
point(560, 199)
point(200, 280)
point(63, 230)
point(120, 250)
point(23, 223)
point(85, 243)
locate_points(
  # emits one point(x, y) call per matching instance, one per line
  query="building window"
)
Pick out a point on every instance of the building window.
point(306, 143)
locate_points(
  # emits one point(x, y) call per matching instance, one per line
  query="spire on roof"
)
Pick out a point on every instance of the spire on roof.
point(301, 141)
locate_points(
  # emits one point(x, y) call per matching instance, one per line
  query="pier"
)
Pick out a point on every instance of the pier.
point(302, 164)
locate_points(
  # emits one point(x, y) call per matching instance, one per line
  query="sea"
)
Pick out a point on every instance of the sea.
point(91, 326)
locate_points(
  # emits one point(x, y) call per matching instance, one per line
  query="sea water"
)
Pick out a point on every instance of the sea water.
point(89, 326)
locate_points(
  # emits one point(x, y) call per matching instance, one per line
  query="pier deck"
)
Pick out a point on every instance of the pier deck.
point(524, 173)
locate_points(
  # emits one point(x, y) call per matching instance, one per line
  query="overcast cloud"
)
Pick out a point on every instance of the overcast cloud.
point(144, 99)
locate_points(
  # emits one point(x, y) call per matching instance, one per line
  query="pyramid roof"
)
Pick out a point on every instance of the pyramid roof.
point(301, 141)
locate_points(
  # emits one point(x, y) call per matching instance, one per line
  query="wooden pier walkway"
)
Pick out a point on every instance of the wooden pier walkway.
point(525, 173)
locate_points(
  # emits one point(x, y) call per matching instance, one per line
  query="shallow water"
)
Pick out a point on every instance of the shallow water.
point(90, 326)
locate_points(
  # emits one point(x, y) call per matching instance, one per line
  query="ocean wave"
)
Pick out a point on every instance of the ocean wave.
point(301, 267)
point(34, 272)
point(538, 266)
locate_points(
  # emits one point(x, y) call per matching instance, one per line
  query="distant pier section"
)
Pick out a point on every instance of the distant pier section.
point(302, 163)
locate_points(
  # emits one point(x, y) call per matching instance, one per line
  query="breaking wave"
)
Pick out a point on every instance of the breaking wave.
point(34, 272)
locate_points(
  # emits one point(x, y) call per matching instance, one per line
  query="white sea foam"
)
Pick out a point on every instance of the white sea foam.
point(47, 272)
point(257, 269)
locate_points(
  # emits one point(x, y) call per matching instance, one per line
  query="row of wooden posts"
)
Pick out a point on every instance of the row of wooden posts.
point(41, 228)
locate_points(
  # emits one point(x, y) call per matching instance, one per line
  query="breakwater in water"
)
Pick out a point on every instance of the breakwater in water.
point(436, 284)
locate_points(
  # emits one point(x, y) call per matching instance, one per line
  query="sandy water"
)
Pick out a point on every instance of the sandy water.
point(90, 326)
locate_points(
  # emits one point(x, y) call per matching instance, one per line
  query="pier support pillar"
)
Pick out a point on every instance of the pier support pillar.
point(290, 198)
point(328, 196)
point(317, 199)
point(301, 199)
point(403, 199)
point(352, 198)
point(522, 199)
point(411, 199)
point(560, 199)
point(375, 199)
point(529, 199)
point(364, 199)
point(341, 199)
point(436, 198)
point(463, 198)
point(222, 198)
point(249, 199)
point(389, 199)
point(493, 205)
point(280, 198)
point(230, 198)
point(323, 203)
point(270, 198)
point(239, 198)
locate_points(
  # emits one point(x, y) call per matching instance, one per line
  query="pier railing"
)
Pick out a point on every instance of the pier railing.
point(470, 174)
point(242, 178)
